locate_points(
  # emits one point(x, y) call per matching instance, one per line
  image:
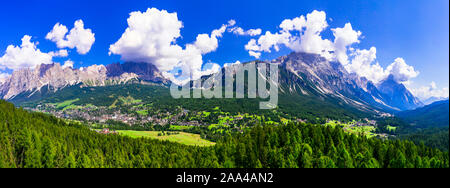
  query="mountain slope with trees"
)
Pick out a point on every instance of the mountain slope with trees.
point(35, 140)
point(430, 116)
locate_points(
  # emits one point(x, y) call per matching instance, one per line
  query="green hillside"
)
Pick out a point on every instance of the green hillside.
point(430, 116)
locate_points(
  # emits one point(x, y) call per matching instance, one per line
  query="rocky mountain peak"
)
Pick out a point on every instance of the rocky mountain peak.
point(144, 71)
point(397, 95)
point(55, 76)
point(331, 78)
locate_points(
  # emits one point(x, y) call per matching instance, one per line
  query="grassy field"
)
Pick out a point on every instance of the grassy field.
point(179, 128)
point(65, 103)
point(143, 112)
point(183, 138)
point(365, 130)
point(348, 127)
point(391, 128)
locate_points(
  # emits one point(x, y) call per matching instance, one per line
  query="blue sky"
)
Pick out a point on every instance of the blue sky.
point(416, 31)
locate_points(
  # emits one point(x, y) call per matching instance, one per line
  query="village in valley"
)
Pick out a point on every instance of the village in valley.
point(136, 113)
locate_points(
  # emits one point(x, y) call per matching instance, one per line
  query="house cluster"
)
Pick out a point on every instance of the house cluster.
point(366, 122)
point(103, 114)
point(116, 116)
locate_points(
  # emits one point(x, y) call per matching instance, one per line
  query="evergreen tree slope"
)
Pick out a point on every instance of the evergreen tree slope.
point(34, 140)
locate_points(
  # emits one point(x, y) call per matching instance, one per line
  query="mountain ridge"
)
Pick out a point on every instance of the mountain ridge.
point(433, 115)
point(312, 75)
point(396, 94)
point(55, 77)
point(300, 73)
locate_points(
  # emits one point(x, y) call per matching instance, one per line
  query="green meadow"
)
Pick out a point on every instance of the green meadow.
point(181, 137)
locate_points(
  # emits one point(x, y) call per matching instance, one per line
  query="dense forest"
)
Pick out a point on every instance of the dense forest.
point(432, 137)
point(435, 137)
point(430, 116)
point(35, 140)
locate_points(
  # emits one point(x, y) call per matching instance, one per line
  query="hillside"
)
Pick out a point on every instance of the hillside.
point(33, 140)
point(430, 116)
point(295, 105)
point(310, 87)
point(30, 140)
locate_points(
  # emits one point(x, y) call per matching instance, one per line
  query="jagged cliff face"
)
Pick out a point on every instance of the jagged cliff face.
point(332, 78)
point(144, 71)
point(396, 94)
point(312, 75)
point(328, 77)
point(56, 77)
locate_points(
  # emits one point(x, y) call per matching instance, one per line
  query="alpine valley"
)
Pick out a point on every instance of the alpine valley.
point(326, 118)
point(304, 76)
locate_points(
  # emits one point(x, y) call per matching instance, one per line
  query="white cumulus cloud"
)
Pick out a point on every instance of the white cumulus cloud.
point(151, 37)
point(242, 32)
point(303, 34)
point(401, 71)
point(293, 24)
point(209, 43)
point(310, 40)
point(429, 91)
point(257, 55)
point(267, 42)
point(27, 55)
point(344, 37)
point(68, 64)
point(363, 63)
point(59, 53)
point(239, 31)
point(80, 38)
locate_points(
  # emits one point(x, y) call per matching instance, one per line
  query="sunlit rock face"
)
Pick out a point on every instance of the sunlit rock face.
point(144, 71)
point(56, 77)
point(397, 95)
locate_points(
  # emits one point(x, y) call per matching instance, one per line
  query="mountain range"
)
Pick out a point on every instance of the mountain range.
point(311, 75)
point(331, 78)
point(301, 74)
point(54, 77)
